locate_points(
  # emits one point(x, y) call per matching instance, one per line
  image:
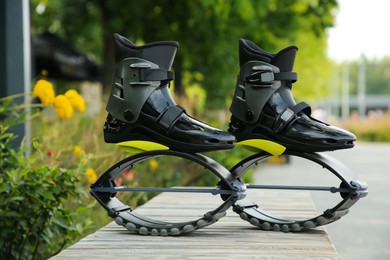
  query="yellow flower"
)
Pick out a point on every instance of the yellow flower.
point(80, 153)
point(90, 175)
point(43, 90)
point(63, 107)
point(77, 149)
point(153, 164)
point(75, 99)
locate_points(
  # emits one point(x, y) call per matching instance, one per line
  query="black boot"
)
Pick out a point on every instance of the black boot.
point(264, 108)
point(141, 108)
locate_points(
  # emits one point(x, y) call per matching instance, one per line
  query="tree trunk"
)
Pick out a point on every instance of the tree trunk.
point(108, 47)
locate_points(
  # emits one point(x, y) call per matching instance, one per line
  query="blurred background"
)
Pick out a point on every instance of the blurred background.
point(343, 64)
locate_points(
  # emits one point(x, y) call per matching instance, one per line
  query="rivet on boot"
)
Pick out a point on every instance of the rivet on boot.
point(128, 114)
point(249, 115)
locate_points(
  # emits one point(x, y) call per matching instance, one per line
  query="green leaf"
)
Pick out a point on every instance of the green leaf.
point(61, 222)
point(46, 195)
point(35, 145)
point(57, 189)
point(81, 210)
point(17, 198)
point(11, 214)
point(3, 187)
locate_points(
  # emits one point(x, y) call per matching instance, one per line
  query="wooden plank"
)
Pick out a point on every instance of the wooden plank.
point(229, 238)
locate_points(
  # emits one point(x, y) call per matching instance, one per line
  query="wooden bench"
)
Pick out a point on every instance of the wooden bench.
point(229, 238)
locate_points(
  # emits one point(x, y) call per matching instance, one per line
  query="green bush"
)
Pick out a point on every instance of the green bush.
point(37, 220)
point(43, 196)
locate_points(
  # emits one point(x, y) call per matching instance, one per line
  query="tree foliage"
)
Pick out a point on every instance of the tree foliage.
point(207, 30)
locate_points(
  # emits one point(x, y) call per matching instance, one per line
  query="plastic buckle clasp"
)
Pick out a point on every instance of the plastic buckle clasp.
point(138, 71)
point(263, 76)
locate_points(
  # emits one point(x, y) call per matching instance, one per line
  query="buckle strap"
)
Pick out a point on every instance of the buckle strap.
point(155, 75)
point(291, 76)
point(302, 107)
point(261, 78)
point(290, 115)
point(265, 78)
point(283, 120)
point(169, 116)
point(143, 71)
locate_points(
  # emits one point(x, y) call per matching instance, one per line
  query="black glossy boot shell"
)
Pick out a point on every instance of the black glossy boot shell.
point(264, 108)
point(141, 108)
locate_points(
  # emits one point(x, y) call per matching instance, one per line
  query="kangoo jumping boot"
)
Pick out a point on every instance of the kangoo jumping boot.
point(264, 108)
point(141, 108)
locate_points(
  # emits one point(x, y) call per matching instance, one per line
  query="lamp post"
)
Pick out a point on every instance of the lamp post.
point(345, 92)
point(361, 96)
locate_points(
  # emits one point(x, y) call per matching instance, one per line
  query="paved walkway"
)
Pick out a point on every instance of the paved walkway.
point(364, 232)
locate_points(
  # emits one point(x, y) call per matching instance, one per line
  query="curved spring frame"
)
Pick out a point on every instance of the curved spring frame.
point(351, 190)
point(105, 190)
point(231, 190)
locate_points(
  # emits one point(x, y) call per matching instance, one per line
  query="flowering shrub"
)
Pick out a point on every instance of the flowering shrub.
point(54, 180)
point(39, 201)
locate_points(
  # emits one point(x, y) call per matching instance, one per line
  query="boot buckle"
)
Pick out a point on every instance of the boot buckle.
point(143, 72)
point(262, 77)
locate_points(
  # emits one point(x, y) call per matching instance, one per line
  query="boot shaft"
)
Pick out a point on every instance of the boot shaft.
point(161, 53)
point(140, 70)
point(284, 59)
point(262, 77)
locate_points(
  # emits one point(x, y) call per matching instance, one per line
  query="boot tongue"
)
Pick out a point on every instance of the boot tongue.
point(284, 59)
point(161, 53)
